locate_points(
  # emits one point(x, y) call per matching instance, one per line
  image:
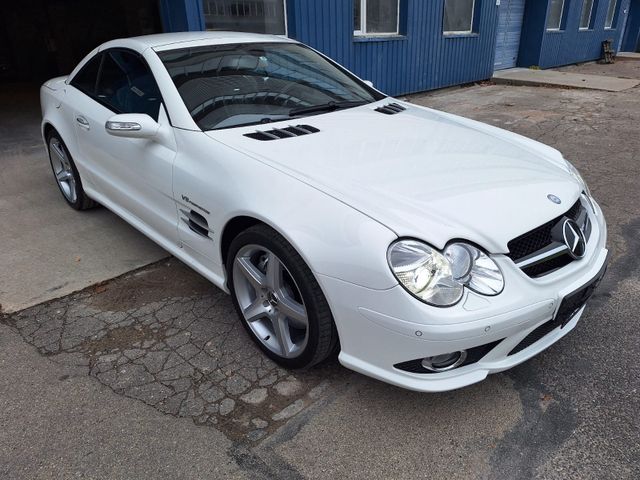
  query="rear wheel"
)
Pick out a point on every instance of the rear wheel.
point(279, 300)
point(66, 174)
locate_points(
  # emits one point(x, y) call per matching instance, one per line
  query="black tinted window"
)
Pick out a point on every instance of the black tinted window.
point(127, 85)
point(86, 78)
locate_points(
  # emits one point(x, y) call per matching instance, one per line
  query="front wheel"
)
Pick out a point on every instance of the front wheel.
point(66, 174)
point(279, 300)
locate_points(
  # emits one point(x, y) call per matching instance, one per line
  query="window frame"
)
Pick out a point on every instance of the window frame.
point(590, 20)
point(362, 32)
point(560, 20)
point(454, 33)
point(613, 15)
point(284, 14)
point(107, 105)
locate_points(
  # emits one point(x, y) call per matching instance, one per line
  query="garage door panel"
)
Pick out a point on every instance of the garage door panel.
point(510, 18)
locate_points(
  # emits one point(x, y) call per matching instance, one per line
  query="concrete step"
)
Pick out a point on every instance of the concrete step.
point(526, 76)
point(628, 56)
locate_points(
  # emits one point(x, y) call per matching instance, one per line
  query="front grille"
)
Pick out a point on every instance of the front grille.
point(540, 237)
point(538, 253)
point(549, 266)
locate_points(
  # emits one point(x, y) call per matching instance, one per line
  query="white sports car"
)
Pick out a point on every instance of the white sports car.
point(429, 250)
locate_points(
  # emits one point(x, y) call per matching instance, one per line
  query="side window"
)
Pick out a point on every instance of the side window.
point(127, 85)
point(85, 79)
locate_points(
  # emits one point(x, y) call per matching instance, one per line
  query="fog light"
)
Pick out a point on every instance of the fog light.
point(444, 362)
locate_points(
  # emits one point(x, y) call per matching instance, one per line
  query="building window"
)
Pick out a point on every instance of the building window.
point(376, 17)
point(458, 16)
point(257, 16)
point(611, 13)
point(585, 15)
point(554, 18)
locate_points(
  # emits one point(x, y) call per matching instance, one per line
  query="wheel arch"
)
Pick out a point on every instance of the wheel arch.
point(232, 229)
point(241, 222)
point(47, 129)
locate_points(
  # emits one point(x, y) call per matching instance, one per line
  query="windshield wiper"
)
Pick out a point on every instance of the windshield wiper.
point(325, 107)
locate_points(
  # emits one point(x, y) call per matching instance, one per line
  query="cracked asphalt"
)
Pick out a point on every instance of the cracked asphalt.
point(185, 355)
point(151, 374)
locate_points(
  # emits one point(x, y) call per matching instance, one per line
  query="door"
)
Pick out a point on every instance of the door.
point(134, 174)
point(622, 23)
point(631, 34)
point(510, 17)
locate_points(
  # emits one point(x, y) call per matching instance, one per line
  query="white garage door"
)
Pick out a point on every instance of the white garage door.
point(510, 16)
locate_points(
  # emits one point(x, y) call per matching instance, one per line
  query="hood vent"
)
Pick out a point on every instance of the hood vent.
point(391, 109)
point(278, 133)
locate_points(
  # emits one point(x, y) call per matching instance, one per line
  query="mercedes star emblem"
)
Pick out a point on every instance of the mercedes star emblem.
point(574, 238)
point(554, 199)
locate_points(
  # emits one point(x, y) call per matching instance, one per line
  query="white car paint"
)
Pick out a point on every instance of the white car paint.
point(341, 197)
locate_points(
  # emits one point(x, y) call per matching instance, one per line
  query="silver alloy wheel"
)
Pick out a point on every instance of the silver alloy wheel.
point(270, 301)
point(62, 169)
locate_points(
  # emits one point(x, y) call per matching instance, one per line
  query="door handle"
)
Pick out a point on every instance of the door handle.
point(83, 122)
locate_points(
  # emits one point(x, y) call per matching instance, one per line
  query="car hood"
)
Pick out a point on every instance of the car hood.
point(422, 173)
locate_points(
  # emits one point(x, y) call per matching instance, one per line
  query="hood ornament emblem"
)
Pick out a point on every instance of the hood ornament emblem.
point(554, 199)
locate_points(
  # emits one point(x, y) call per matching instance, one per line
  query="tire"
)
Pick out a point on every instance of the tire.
point(262, 310)
point(66, 174)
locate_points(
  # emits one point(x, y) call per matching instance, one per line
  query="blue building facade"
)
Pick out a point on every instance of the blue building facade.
point(570, 43)
point(406, 46)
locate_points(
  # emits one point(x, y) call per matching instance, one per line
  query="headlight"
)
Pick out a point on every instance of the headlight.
point(576, 174)
point(439, 278)
point(585, 188)
point(474, 269)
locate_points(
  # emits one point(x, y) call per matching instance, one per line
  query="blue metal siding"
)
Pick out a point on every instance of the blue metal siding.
point(181, 15)
point(631, 41)
point(553, 48)
point(421, 58)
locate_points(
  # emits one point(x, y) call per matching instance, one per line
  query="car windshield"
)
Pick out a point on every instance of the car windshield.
point(226, 86)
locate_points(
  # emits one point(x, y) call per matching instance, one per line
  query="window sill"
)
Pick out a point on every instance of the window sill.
point(460, 35)
point(554, 30)
point(378, 38)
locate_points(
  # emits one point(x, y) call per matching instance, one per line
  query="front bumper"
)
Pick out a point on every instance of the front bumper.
point(380, 329)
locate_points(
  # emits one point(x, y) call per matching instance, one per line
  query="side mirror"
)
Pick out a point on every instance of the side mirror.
point(368, 83)
point(132, 125)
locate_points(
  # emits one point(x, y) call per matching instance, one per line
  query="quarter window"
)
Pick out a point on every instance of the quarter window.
point(611, 13)
point(585, 15)
point(554, 18)
point(257, 16)
point(376, 17)
point(127, 85)
point(458, 16)
point(85, 80)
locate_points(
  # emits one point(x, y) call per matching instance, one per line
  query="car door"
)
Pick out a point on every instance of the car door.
point(133, 174)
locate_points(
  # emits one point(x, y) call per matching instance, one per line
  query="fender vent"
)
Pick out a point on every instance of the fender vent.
point(391, 109)
point(196, 222)
point(278, 133)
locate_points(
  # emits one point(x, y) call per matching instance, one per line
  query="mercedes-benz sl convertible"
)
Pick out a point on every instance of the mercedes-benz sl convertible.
point(427, 249)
